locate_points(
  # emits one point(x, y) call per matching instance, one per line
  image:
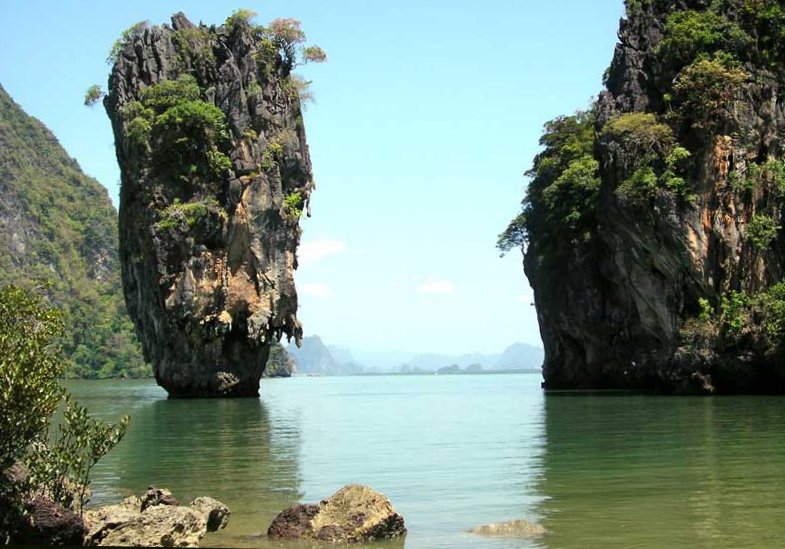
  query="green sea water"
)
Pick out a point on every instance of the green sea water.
point(456, 452)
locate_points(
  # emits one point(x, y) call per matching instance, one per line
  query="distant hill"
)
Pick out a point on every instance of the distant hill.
point(315, 358)
point(342, 355)
point(58, 227)
point(520, 356)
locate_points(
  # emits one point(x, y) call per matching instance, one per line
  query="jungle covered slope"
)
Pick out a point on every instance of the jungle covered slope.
point(652, 226)
point(215, 174)
point(58, 226)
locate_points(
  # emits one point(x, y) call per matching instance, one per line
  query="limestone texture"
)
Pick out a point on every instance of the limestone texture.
point(213, 184)
point(658, 281)
point(154, 520)
point(354, 514)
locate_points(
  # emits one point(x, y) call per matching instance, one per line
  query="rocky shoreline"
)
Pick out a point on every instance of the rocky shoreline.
point(154, 519)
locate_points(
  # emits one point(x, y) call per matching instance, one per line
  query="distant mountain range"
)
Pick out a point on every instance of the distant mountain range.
point(317, 358)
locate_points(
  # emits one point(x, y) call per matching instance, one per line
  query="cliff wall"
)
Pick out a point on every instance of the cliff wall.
point(652, 226)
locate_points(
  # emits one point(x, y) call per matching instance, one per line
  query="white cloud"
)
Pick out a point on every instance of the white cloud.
point(314, 290)
point(310, 252)
point(432, 286)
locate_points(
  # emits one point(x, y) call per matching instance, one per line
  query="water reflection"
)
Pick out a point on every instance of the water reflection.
point(644, 471)
point(227, 449)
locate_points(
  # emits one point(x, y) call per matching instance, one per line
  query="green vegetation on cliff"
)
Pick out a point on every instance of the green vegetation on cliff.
point(58, 226)
point(215, 173)
point(561, 198)
point(657, 215)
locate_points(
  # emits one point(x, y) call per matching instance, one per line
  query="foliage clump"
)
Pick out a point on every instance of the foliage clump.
point(93, 95)
point(705, 89)
point(765, 21)
point(761, 231)
point(282, 36)
point(293, 204)
point(740, 320)
point(690, 33)
point(31, 364)
point(560, 203)
point(657, 160)
point(30, 367)
point(769, 176)
point(190, 213)
point(641, 134)
point(184, 134)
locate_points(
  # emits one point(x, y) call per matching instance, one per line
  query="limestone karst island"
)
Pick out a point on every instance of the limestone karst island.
point(189, 358)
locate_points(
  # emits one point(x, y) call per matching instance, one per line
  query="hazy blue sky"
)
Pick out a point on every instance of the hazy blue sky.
point(426, 116)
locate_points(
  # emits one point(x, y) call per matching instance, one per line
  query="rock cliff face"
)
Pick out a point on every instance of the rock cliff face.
point(215, 175)
point(652, 224)
point(58, 226)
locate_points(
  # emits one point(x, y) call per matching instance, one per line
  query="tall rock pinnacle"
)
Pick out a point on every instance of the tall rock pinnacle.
point(216, 173)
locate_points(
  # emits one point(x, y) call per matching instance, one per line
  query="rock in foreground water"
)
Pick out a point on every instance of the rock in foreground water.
point(511, 529)
point(155, 520)
point(353, 514)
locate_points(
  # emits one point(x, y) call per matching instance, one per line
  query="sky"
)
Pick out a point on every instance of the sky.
point(426, 116)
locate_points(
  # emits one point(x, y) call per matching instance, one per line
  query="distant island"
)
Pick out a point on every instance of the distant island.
point(314, 357)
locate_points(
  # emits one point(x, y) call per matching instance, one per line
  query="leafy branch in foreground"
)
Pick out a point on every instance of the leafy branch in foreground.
point(31, 364)
point(61, 468)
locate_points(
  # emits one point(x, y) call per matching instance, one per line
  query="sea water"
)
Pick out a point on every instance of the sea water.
point(456, 452)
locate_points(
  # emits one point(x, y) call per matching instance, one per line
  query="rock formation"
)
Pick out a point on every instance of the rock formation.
point(652, 225)
point(215, 175)
point(279, 363)
point(353, 514)
point(154, 520)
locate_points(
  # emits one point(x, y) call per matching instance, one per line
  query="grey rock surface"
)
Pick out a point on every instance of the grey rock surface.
point(208, 296)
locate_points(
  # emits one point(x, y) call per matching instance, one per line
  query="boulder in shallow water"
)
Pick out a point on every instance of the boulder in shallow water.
point(511, 529)
point(155, 520)
point(215, 512)
point(353, 514)
point(159, 526)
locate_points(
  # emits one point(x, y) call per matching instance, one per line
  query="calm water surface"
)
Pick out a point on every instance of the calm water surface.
point(455, 452)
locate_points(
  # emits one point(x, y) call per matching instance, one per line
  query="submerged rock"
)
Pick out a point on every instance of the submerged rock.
point(215, 174)
point(511, 529)
point(353, 514)
point(155, 520)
